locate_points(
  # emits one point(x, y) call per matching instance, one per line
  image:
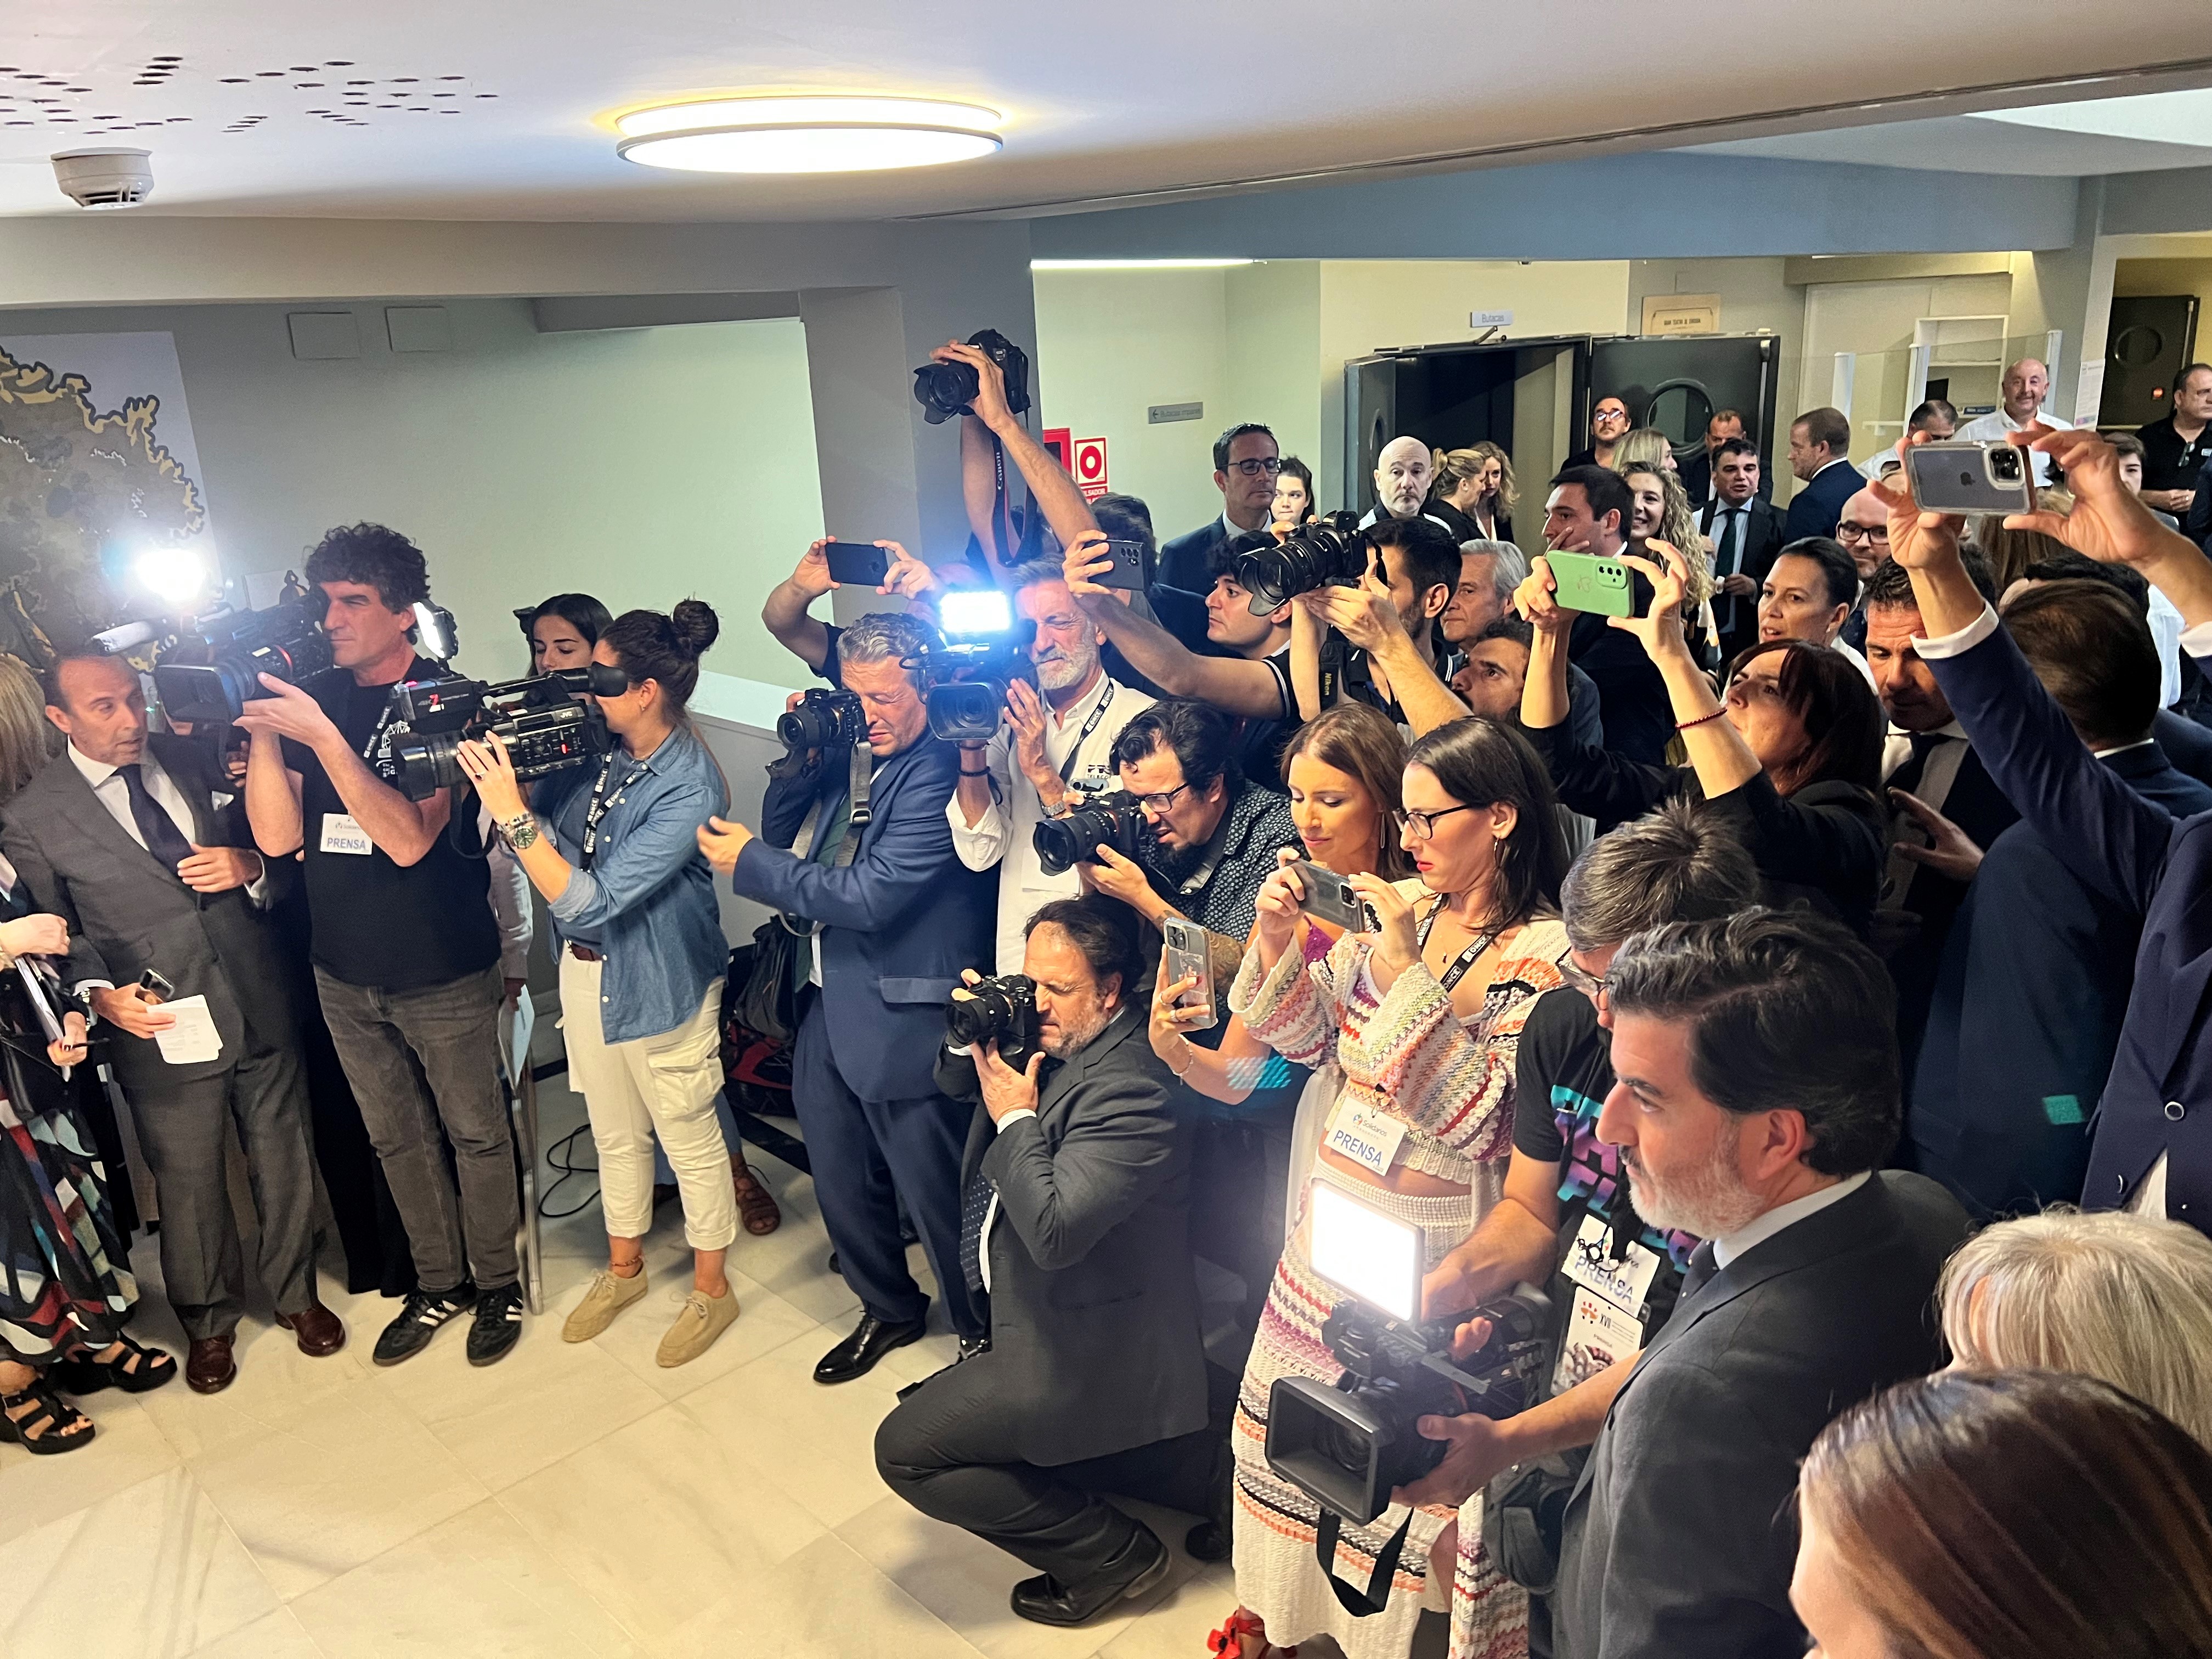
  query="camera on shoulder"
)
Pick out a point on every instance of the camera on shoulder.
point(548, 721)
point(986, 650)
point(1002, 1012)
point(1347, 1447)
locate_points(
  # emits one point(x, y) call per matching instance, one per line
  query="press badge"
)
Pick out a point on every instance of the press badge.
point(1590, 1262)
point(342, 835)
point(1368, 1135)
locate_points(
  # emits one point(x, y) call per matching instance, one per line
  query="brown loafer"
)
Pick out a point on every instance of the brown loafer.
point(209, 1368)
point(320, 1331)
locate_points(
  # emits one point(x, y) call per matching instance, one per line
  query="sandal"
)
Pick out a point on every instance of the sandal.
point(136, 1369)
point(47, 1430)
point(1228, 1641)
point(757, 1206)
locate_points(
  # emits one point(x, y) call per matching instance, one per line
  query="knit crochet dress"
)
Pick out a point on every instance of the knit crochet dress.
point(1450, 1081)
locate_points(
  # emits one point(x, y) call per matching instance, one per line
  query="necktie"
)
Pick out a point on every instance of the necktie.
point(1907, 776)
point(975, 1206)
point(1702, 1267)
point(163, 840)
point(1724, 559)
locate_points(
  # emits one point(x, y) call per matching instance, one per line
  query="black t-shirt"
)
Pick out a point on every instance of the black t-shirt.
point(374, 922)
point(2171, 462)
point(1563, 1072)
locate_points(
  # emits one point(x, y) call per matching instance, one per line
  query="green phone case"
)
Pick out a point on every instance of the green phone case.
point(1587, 583)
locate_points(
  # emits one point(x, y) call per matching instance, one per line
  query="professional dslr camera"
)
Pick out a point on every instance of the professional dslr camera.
point(1063, 842)
point(1001, 1011)
point(944, 390)
point(214, 668)
point(547, 721)
point(823, 720)
point(986, 650)
point(1328, 552)
point(1347, 1447)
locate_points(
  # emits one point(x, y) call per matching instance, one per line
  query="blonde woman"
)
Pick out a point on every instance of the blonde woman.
point(1474, 493)
point(1662, 512)
point(1645, 443)
point(2124, 1298)
point(28, 738)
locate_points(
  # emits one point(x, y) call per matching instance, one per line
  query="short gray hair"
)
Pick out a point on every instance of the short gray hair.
point(891, 636)
point(2127, 1298)
point(1678, 863)
point(1510, 569)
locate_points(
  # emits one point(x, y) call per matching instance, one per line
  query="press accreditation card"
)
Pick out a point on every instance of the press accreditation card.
point(1624, 1281)
point(342, 835)
point(1367, 1135)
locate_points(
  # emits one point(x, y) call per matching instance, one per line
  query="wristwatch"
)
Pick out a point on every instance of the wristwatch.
point(520, 831)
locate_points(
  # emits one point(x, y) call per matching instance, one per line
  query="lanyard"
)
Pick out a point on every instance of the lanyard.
point(1467, 958)
point(374, 746)
point(598, 809)
point(1099, 714)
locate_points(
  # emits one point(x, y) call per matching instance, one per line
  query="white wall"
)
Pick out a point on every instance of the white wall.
point(642, 465)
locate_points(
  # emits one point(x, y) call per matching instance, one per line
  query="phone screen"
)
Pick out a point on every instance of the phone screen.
point(1376, 1257)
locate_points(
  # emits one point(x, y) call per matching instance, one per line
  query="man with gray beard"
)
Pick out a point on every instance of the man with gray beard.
point(1057, 742)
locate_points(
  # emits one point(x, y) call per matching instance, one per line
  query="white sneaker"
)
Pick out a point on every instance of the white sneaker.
point(609, 1295)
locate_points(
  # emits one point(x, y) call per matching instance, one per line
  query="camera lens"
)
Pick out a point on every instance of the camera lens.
point(2004, 464)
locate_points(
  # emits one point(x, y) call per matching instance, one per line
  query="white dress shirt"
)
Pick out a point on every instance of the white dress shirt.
point(1992, 427)
point(1005, 833)
point(1856, 660)
point(109, 789)
point(1757, 1231)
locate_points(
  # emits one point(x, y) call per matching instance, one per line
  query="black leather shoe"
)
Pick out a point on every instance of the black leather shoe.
point(856, 1356)
point(1140, 1566)
point(973, 1346)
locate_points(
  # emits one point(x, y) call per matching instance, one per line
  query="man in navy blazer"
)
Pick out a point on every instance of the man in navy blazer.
point(1246, 464)
point(896, 919)
point(1820, 454)
point(2151, 1144)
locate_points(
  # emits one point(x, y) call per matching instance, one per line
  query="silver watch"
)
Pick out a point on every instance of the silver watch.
point(521, 830)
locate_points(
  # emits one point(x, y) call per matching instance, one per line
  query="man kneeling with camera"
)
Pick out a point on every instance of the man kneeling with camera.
point(1074, 1214)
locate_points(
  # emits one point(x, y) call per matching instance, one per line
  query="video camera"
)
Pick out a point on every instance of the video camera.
point(1063, 842)
point(944, 390)
point(546, 721)
point(1326, 552)
point(1347, 1447)
point(986, 650)
point(1001, 1011)
point(214, 668)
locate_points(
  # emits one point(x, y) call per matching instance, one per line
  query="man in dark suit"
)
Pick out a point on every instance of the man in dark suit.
point(1755, 1095)
point(1746, 534)
point(1246, 464)
point(895, 917)
point(1820, 454)
point(1075, 1227)
point(140, 843)
point(2152, 1145)
point(2034, 979)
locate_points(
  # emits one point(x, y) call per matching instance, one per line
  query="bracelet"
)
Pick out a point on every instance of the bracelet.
point(1191, 1048)
point(985, 773)
point(1684, 726)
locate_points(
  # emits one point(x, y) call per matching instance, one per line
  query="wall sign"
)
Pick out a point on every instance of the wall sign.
point(1090, 469)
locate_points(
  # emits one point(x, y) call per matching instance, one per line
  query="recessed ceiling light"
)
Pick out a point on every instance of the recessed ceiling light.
point(796, 134)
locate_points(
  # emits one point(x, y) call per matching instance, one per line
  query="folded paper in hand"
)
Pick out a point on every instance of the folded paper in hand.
point(193, 1038)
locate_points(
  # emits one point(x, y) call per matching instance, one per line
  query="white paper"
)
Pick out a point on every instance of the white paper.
point(193, 1038)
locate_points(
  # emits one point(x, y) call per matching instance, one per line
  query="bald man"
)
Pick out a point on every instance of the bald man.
point(2027, 384)
point(1403, 473)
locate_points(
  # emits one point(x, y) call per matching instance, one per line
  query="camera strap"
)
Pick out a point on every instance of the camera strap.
point(374, 746)
point(859, 776)
point(1378, 1595)
point(1466, 959)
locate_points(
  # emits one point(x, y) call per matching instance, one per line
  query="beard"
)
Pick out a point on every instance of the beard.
point(1057, 669)
point(1710, 1202)
point(1074, 1035)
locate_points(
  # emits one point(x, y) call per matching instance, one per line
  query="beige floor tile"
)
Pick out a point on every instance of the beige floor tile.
point(503, 1422)
point(148, 1573)
point(478, 1585)
point(825, 1602)
point(335, 1486)
point(1177, 1626)
point(765, 1323)
point(276, 1384)
point(660, 1520)
point(816, 1444)
point(127, 1448)
point(277, 1635)
point(794, 1261)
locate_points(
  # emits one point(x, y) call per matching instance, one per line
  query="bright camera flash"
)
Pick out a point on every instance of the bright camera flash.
point(982, 612)
point(174, 576)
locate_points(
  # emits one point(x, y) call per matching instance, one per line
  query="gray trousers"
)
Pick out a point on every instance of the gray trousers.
point(182, 1131)
point(420, 1060)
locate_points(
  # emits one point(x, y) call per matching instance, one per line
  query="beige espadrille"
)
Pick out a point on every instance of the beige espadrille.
point(609, 1295)
point(702, 1319)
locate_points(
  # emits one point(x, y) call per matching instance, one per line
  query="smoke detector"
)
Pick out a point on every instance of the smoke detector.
point(105, 177)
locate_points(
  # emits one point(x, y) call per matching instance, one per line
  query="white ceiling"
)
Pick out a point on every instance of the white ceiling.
point(466, 109)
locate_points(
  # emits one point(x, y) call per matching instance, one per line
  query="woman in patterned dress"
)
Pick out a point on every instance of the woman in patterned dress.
point(1422, 1017)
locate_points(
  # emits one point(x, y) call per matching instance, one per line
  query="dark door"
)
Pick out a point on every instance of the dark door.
point(1452, 396)
point(1677, 386)
point(2148, 342)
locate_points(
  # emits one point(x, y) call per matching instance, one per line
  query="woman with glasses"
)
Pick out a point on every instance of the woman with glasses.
point(1421, 1015)
point(1793, 757)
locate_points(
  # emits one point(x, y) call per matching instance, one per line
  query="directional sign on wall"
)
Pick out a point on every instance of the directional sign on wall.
point(1090, 469)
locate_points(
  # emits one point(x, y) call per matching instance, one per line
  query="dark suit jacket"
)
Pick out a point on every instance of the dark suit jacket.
point(127, 912)
point(1182, 561)
point(1678, 1540)
point(1762, 538)
point(2026, 1012)
point(1095, 1338)
point(1632, 702)
point(1817, 508)
point(2187, 746)
point(900, 921)
point(2149, 864)
point(1977, 806)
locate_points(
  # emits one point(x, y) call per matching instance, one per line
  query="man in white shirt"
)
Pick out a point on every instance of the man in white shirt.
point(1057, 742)
point(2026, 383)
point(1246, 461)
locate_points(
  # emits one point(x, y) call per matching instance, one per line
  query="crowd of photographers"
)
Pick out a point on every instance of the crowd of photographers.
point(1624, 1021)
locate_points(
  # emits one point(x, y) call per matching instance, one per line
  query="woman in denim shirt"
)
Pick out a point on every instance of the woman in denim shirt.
point(614, 849)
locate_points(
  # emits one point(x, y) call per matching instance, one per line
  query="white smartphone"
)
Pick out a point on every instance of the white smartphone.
point(1188, 956)
point(1376, 1257)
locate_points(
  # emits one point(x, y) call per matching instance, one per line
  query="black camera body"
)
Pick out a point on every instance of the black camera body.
point(966, 695)
point(944, 390)
point(1348, 1447)
point(214, 669)
point(823, 720)
point(1326, 552)
point(545, 720)
point(1073, 838)
point(1001, 1011)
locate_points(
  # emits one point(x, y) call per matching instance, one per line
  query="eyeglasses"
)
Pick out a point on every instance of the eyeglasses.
point(1590, 985)
point(1252, 469)
point(1161, 802)
point(1859, 533)
point(1423, 825)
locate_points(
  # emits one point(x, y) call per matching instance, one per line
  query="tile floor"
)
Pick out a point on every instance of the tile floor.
point(567, 1502)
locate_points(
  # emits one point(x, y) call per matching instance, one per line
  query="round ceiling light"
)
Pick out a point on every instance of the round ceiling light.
point(806, 134)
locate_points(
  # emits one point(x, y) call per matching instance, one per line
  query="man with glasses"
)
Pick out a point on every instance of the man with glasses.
point(1609, 424)
point(1246, 464)
point(1863, 532)
point(1746, 534)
